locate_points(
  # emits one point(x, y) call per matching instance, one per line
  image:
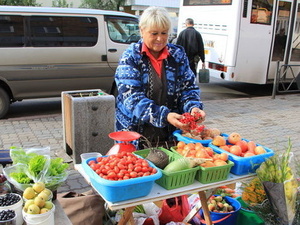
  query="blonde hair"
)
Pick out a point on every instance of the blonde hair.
point(155, 17)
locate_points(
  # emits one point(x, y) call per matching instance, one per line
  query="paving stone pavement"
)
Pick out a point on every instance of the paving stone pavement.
point(269, 122)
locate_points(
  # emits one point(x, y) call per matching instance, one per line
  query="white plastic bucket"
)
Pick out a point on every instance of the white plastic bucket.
point(40, 219)
point(17, 207)
point(12, 221)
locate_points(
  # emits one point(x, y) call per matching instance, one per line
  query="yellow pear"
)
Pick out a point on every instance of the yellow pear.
point(44, 210)
point(39, 202)
point(33, 209)
point(29, 193)
point(48, 205)
point(43, 196)
point(47, 191)
point(38, 187)
point(27, 204)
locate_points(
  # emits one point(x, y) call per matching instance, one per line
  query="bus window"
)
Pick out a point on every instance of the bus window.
point(261, 12)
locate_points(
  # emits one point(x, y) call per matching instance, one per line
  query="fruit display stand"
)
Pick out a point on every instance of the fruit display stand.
point(158, 193)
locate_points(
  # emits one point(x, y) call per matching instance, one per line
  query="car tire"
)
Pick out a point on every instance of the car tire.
point(4, 103)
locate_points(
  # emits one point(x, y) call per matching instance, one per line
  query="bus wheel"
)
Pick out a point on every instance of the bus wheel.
point(4, 103)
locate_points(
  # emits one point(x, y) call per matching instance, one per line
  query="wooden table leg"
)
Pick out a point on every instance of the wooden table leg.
point(127, 216)
point(206, 212)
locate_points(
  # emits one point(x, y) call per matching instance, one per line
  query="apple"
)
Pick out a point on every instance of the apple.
point(234, 137)
point(259, 150)
point(209, 150)
point(225, 147)
point(219, 140)
point(223, 156)
point(251, 146)
point(220, 162)
point(243, 144)
point(236, 150)
point(211, 207)
point(248, 154)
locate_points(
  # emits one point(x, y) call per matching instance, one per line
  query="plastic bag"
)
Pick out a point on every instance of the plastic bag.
point(174, 209)
point(35, 165)
point(152, 212)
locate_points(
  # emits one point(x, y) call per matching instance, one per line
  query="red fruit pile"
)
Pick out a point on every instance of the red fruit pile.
point(192, 122)
point(121, 166)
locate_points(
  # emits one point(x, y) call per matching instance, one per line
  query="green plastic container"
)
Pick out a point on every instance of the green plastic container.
point(210, 174)
point(246, 216)
point(213, 174)
point(172, 180)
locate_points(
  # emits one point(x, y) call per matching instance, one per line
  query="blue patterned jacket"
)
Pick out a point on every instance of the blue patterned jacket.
point(133, 108)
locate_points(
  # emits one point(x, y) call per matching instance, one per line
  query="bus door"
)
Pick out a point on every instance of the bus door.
point(286, 44)
point(255, 41)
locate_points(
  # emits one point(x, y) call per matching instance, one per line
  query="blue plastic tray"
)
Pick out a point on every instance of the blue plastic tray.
point(245, 165)
point(116, 191)
point(179, 137)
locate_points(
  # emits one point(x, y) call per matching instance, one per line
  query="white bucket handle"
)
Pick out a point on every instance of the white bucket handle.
point(39, 221)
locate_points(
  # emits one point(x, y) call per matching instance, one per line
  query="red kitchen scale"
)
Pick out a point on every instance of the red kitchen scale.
point(124, 146)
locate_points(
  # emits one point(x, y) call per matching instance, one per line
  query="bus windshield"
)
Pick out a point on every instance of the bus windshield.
point(207, 2)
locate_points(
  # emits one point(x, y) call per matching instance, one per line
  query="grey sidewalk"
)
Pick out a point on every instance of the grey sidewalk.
point(267, 121)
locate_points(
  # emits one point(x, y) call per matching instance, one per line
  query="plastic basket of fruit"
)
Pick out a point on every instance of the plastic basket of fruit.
point(208, 175)
point(245, 154)
point(172, 180)
point(131, 177)
point(211, 171)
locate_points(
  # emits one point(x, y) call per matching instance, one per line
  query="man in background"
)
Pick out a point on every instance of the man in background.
point(192, 42)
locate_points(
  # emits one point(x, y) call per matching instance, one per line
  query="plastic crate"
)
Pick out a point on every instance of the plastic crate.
point(213, 174)
point(172, 180)
point(116, 191)
point(179, 137)
point(245, 165)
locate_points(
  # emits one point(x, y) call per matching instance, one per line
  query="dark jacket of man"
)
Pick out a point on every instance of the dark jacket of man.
point(192, 42)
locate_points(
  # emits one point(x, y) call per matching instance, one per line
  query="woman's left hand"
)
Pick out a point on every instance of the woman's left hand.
point(197, 110)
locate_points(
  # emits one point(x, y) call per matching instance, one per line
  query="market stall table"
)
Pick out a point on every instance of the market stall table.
point(159, 193)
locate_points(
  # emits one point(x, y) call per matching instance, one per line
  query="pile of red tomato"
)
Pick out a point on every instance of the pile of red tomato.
point(121, 166)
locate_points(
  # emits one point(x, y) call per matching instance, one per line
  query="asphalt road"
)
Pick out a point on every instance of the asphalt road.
point(216, 89)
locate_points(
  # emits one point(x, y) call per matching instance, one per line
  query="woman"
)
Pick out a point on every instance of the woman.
point(155, 82)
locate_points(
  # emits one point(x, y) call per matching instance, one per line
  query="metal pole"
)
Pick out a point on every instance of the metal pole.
point(275, 81)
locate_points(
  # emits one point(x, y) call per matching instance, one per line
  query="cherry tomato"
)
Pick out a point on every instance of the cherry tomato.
point(91, 162)
point(133, 174)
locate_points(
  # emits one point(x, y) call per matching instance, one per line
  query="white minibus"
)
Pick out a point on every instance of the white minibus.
point(44, 51)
